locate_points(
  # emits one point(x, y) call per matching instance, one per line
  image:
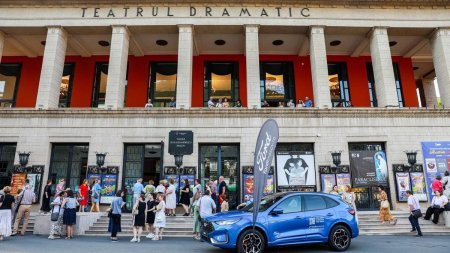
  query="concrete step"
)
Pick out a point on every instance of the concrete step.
point(122, 236)
point(130, 233)
point(167, 229)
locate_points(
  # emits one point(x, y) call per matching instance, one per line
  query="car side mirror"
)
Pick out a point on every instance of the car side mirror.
point(277, 211)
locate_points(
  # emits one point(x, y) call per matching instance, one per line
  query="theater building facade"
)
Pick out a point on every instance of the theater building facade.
point(75, 80)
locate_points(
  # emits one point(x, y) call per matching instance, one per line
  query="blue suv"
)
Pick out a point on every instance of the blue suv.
point(284, 219)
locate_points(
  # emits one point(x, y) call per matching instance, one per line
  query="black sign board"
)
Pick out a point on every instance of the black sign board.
point(181, 142)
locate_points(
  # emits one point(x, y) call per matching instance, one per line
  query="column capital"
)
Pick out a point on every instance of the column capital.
point(120, 29)
point(251, 27)
point(54, 29)
point(315, 29)
point(378, 30)
point(183, 28)
point(440, 31)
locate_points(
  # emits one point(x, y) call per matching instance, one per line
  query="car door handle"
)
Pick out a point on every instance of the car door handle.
point(330, 214)
point(299, 217)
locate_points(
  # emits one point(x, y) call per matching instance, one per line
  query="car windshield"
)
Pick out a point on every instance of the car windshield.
point(266, 202)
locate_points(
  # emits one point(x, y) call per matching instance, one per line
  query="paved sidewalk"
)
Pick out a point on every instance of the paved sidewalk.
point(366, 244)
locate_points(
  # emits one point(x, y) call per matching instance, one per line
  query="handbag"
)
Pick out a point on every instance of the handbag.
point(384, 204)
point(436, 206)
point(54, 216)
point(417, 213)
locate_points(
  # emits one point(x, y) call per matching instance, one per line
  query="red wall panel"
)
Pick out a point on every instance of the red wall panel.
point(303, 79)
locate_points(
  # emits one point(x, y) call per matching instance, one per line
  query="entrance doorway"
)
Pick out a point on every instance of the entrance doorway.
point(141, 161)
point(221, 160)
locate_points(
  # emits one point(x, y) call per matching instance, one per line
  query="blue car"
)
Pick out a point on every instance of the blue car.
point(284, 219)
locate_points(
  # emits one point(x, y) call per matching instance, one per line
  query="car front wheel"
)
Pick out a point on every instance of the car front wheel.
point(251, 242)
point(340, 238)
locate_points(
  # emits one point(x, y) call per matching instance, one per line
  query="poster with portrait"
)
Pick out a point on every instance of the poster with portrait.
point(35, 183)
point(17, 182)
point(248, 185)
point(402, 181)
point(108, 184)
point(343, 180)
point(436, 158)
point(369, 168)
point(418, 186)
point(328, 181)
point(295, 169)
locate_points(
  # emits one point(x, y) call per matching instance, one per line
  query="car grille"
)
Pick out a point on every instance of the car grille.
point(207, 227)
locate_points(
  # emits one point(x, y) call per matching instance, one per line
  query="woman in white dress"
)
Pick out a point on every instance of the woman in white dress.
point(160, 218)
point(171, 198)
point(6, 206)
point(349, 197)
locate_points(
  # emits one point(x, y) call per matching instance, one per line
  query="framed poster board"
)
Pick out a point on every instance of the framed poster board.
point(295, 170)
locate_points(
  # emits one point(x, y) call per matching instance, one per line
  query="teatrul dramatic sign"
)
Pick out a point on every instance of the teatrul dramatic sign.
point(264, 152)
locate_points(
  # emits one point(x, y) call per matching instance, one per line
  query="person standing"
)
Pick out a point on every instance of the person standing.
point(172, 103)
point(96, 191)
point(210, 103)
point(26, 198)
point(60, 186)
point(349, 197)
point(223, 189)
point(436, 185)
point(70, 213)
point(300, 104)
point(150, 220)
point(185, 199)
point(335, 190)
point(197, 187)
point(160, 218)
point(115, 215)
point(226, 104)
point(207, 205)
point(6, 207)
point(196, 212)
point(56, 228)
point(149, 104)
point(160, 188)
point(139, 211)
point(437, 207)
point(414, 212)
point(385, 209)
point(171, 198)
point(308, 102)
point(290, 103)
point(446, 184)
point(83, 195)
point(45, 207)
point(138, 189)
point(224, 207)
point(150, 188)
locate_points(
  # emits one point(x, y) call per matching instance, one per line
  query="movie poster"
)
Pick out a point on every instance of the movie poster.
point(35, 183)
point(328, 182)
point(248, 185)
point(436, 157)
point(418, 186)
point(402, 181)
point(295, 169)
point(17, 182)
point(369, 168)
point(343, 180)
point(108, 184)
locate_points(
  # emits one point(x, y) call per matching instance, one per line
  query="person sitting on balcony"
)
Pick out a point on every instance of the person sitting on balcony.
point(265, 104)
point(308, 102)
point(220, 103)
point(238, 104)
point(300, 104)
point(226, 104)
point(290, 103)
point(149, 104)
point(172, 103)
point(280, 104)
point(211, 104)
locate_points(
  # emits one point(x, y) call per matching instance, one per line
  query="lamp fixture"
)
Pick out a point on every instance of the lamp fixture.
point(100, 158)
point(23, 158)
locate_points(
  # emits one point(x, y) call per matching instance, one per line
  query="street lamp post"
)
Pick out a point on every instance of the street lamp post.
point(101, 161)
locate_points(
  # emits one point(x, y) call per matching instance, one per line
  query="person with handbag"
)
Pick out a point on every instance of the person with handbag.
point(6, 207)
point(56, 216)
point(437, 207)
point(414, 212)
point(115, 214)
point(96, 190)
point(385, 209)
point(160, 217)
point(70, 213)
point(23, 210)
point(186, 195)
point(139, 213)
point(83, 195)
point(196, 212)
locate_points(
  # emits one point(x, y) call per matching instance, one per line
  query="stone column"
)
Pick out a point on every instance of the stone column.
point(2, 43)
point(252, 66)
point(319, 67)
point(383, 69)
point(117, 69)
point(440, 47)
point(184, 69)
point(52, 68)
point(429, 92)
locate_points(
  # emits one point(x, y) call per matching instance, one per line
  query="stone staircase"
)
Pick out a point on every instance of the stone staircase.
point(369, 224)
point(31, 221)
point(178, 226)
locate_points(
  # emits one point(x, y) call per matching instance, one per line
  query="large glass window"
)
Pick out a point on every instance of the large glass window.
point(7, 153)
point(372, 92)
point(221, 160)
point(69, 161)
point(398, 84)
point(101, 79)
point(277, 82)
point(9, 81)
point(221, 81)
point(163, 83)
point(65, 89)
point(338, 82)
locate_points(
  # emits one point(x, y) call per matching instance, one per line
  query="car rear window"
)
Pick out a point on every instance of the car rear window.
point(330, 202)
point(314, 203)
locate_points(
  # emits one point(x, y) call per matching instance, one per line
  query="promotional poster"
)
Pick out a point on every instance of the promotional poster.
point(418, 186)
point(369, 168)
point(35, 183)
point(248, 185)
point(402, 181)
point(343, 180)
point(17, 182)
point(328, 182)
point(108, 185)
point(295, 169)
point(436, 157)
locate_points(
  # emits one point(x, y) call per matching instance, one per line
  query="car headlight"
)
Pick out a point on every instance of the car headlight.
point(226, 222)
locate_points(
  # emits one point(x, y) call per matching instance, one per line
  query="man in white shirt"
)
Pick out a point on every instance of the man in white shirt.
point(211, 104)
point(207, 205)
point(149, 104)
point(414, 207)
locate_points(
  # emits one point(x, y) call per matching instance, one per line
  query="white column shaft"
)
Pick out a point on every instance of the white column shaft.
point(252, 66)
point(117, 69)
point(52, 68)
point(440, 47)
point(184, 67)
point(383, 69)
point(319, 67)
point(429, 92)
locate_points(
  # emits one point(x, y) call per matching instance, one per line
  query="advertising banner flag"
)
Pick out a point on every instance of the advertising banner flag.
point(264, 152)
point(436, 158)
